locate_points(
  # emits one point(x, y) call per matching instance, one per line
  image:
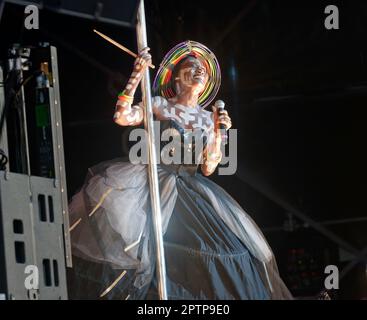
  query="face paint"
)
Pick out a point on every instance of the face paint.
point(165, 83)
point(122, 104)
point(193, 75)
point(116, 115)
point(126, 111)
point(133, 116)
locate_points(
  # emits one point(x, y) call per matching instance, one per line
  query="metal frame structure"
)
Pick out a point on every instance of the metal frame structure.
point(4, 133)
point(34, 217)
point(31, 201)
point(58, 150)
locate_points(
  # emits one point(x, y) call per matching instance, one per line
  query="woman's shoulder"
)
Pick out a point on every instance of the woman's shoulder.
point(159, 101)
point(207, 113)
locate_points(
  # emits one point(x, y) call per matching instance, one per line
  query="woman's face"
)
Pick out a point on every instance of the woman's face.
point(192, 75)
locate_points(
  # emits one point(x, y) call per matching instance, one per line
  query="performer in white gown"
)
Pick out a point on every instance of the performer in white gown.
point(213, 249)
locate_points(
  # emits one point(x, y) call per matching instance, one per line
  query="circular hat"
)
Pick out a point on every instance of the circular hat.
point(163, 84)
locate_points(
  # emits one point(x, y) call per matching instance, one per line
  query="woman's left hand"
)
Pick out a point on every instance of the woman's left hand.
point(221, 118)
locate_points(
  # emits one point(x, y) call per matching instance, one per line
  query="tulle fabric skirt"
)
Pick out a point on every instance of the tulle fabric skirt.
point(213, 249)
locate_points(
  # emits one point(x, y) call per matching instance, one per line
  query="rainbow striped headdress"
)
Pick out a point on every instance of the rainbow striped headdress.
point(163, 85)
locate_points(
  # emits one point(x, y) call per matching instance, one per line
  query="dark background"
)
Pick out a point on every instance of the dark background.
point(296, 92)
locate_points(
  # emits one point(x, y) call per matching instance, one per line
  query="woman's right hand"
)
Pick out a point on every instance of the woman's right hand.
point(143, 59)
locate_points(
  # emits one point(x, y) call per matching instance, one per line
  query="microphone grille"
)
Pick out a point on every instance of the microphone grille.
point(219, 104)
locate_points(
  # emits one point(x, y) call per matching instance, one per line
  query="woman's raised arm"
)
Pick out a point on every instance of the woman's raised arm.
point(127, 114)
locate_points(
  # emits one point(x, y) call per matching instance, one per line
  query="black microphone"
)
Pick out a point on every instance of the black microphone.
point(219, 104)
